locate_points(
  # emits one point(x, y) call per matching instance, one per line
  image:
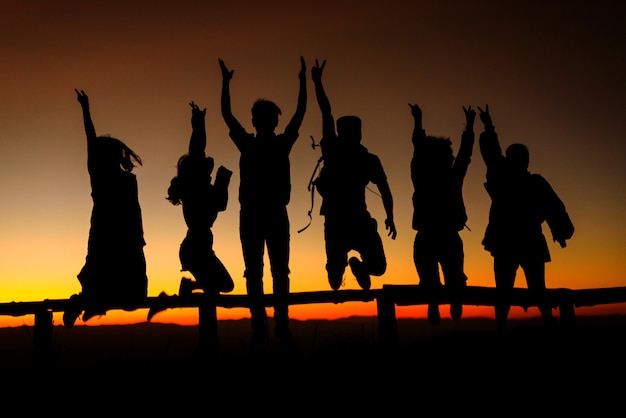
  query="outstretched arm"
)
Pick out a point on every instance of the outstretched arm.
point(197, 142)
point(328, 122)
point(83, 99)
point(298, 116)
point(227, 75)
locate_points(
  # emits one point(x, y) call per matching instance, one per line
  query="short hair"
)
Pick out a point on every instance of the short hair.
point(518, 156)
point(264, 109)
point(439, 150)
point(349, 127)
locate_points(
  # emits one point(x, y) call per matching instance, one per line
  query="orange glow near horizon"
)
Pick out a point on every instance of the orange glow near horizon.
point(189, 316)
point(552, 76)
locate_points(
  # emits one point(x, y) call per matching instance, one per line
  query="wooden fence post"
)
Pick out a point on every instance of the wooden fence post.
point(42, 337)
point(387, 324)
point(567, 313)
point(207, 326)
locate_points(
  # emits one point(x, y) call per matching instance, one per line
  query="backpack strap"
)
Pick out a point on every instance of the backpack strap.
point(312, 190)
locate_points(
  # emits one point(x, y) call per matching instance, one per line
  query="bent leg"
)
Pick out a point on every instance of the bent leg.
point(505, 269)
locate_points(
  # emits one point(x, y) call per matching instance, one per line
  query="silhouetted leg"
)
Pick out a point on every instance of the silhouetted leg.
point(253, 246)
point(535, 273)
point(427, 266)
point(505, 269)
point(278, 253)
point(452, 266)
point(370, 246)
point(258, 314)
point(336, 254)
point(218, 277)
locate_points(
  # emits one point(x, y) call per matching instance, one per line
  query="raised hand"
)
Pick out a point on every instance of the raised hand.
point(195, 110)
point(226, 73)
point(485, 117)
point(470, 115)
point(82, 98)
point(391, 227)
point(416, 111)
point(317, 70)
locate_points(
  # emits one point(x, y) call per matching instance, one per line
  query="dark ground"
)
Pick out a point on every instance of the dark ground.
point(340, 368)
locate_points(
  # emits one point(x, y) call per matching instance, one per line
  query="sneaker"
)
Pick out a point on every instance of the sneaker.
point(335, 281)
point(456, 310)
point(72, 312)
point(362, 276)
point(90, 313)
point(158, 306)
point(185, 288)
point(433, 314)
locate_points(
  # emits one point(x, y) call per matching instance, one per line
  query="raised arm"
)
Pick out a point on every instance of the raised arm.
point(90, 131)
point(467, 138)
point(227, 75)
point(328, 122)
point(419, 134)
point(489, 145)
point(298, 116)
point(197, 142)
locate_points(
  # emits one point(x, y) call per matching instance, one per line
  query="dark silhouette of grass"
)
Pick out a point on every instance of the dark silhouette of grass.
point(339, 361)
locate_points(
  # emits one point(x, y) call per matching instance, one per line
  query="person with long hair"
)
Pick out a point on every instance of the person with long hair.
point(201, 201)
point(114, 273)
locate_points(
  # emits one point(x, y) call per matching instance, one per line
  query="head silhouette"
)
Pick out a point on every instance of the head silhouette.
point(518, 157)
point(189, 172)
point(112, 154)
point(349, 129)
point(439, 150)
point(265, 115)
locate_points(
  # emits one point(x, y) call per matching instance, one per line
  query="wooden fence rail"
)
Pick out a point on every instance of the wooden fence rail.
point(386, 298)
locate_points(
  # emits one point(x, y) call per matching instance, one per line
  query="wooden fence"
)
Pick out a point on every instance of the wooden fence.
point(386, 298)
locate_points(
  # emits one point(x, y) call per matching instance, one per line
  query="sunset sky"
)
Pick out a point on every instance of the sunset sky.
point(552, 72)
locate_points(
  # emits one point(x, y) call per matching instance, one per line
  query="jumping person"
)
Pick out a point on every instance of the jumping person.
point(264, 193)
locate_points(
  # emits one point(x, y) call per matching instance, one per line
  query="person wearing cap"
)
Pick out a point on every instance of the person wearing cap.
point(348, 169)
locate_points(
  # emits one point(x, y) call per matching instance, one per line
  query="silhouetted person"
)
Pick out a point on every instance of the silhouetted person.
point(114, 273)
point(348, 169)
point(439, 209)
point(520, 203)
point(201, 202)
point(264, 193)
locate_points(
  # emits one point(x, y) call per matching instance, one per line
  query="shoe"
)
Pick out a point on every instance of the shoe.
point(456, 307)
point(362, 276)
point(90, 313)
point(456, 310)
point(433, 314)
point(335, 281)
point(72, 312)
point(185, 288)
point(158, 306)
